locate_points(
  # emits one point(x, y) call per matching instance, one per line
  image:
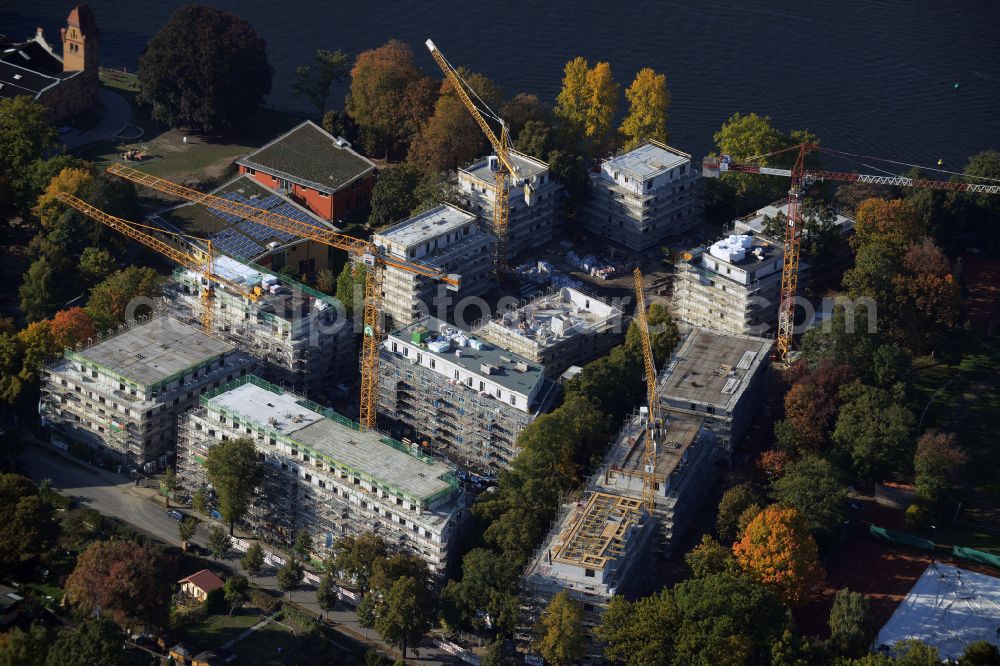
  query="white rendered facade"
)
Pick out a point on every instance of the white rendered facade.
point(643, 196)
point(445, 237)
point(325, 476)
point(529, 225)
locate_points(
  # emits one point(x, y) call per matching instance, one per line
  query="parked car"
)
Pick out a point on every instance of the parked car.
point(176, 515)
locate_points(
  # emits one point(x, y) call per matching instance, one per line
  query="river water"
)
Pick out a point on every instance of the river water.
point(873, 76)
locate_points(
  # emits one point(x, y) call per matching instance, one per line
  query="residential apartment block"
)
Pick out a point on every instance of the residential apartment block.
point(301, 336)
point(596, 550)
point(536, 200)
point(122, 395)
point(459, 395)
point(719, 377)
point(323, 474)
point(445, 237)
point(643, 196)
point(734, 285)
point(561, 328)
point(685, 460)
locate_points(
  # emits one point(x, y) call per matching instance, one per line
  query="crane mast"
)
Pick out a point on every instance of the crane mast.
point(506, 169)
point(801, 177)
point(371, 255)
point(652, 399)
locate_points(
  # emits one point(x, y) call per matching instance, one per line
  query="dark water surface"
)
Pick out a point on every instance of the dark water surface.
point(875, 76)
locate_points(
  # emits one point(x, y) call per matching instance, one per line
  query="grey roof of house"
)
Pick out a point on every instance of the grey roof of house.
point(310, 156)
point(16, 81)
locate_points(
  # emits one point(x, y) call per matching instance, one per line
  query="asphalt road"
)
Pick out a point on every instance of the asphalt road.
point(115, 495)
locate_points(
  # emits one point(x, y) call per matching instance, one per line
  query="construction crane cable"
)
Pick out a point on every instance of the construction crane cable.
point(488, 111)
point(906, 164)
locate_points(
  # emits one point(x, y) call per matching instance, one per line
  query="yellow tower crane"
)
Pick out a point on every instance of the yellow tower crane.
point(652, 400)
point(373, 257)
point(506, 167)
point(194, 258)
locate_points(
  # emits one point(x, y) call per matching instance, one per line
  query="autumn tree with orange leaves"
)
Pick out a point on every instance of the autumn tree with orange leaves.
point(70, 327)
point(777, 551)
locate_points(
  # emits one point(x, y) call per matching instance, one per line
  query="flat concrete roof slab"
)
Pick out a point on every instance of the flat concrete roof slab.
point(155, 350)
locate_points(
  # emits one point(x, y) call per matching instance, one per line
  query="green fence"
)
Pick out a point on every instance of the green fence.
point(902, 538)
point(976, 556)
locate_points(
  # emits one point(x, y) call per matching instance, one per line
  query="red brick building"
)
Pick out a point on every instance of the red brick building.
point(315, 169)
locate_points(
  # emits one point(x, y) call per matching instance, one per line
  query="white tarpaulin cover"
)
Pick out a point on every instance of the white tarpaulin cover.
point(948, 608)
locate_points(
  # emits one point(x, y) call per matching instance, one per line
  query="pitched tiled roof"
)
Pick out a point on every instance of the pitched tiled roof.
point(310, 156)
point(204, 580)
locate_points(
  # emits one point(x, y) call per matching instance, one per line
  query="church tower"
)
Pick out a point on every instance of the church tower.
point(80, 38)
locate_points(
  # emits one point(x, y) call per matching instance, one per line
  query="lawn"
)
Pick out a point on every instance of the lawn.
point(202, 158)
point(964, 397)
point(216, 630)
point(276, 645)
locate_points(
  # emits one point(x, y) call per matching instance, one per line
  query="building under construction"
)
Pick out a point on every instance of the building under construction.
point(445, 237)
point(534, 217)
point(462, 396)
point(324, 475)
point(301, 335)
point(733, 285)
point(123, 394)
point(685, 460)
point(561, 328)
point(719, 377)
point(644, 195)
point(595, 550)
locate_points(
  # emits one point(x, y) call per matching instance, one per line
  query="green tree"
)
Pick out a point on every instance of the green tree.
point(26, 137)
point(169, 484)
point(109, 300)
point(522, 109)
point(536, 138)
point(873, 431)
point(726, 618)
point(351, 287)
point(709, 557)
point(326, 594)
point(236, 590)
point(648, 100)
point(937, 464)
point(914, 653)
point(95, 264)
point(25, 648)
point(451, 137)
point(734, 502)
point(746, 137)
point(326, 281)
point(488, 588)
point(199, 502)
point(355, 557)
point(97, 641)
point(405, 613)
point(39, 291)
point(313, 81)
point(129, 582)
point(253, 560)
point(812, 486)
point(38, 346)
point(290, 575)
point(852, 627)
point(561, 633)
point(11, 358)
point(640, 632)
point(186, 529)
point(205, 69)
point(393, 196)
point(219, 542)
point(27, 528)
point(663, 334)
point(389, 97)
point(979, 653)
point(303, 543)
point(235, 472)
